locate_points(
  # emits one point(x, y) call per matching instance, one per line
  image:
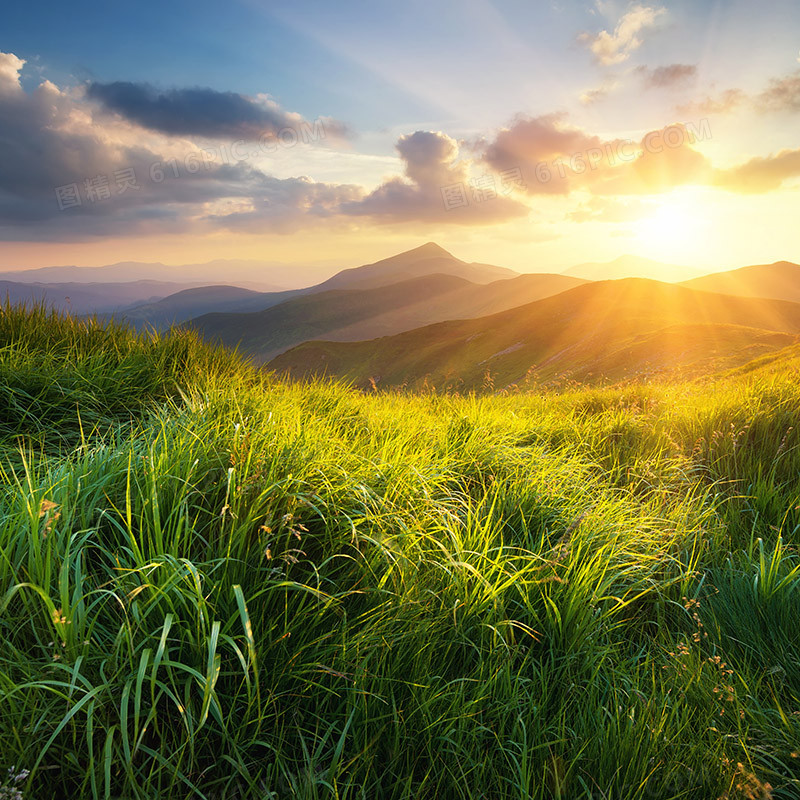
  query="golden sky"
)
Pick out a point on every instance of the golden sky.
point(535, 138)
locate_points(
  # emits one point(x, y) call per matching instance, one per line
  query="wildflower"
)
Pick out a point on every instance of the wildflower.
point(59, 618)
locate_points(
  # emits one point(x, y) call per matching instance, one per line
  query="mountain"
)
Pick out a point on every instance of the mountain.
point(428, 259)
point(264, 276)
point(421, 262)
point(604, 331)
point(268, 276)
point(87, 298)
point(189, 303)
point(628, 266)
point(353, 314)
point(780, 281)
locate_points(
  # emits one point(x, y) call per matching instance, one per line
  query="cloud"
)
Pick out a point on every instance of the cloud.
point(782, 94)
point(58, 141)
point(557, 158)
point(282, 205)
point(10, 68)
point(52, 143)
point(728, 101)
point(614, 48)
point(431, 167)
point(763, 174)
point(201, 112)
point(669, 76)
point(533, 141)
point(592, 96)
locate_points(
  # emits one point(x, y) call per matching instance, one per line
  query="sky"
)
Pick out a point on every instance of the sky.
point(535, 135)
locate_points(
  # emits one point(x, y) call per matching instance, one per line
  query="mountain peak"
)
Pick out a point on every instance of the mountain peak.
point(430, 249)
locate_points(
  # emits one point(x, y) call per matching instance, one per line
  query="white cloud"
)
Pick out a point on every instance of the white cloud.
point(614, 48)
point(10, 67)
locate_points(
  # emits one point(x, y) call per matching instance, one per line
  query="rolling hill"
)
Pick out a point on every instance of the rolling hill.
point(779, 281)
point(604, 331)
point(628, 266)
point(195, 302)
point(349, 315)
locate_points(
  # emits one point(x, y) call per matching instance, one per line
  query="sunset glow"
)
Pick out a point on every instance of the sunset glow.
point(533, 135)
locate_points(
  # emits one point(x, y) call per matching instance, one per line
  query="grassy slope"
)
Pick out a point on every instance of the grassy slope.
point(350, 315)
point(248, 587)
point(624, 329)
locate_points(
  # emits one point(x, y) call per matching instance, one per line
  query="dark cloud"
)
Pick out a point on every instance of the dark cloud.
point(669, 76)
point(782, 94)
point(46, 152)
point(202, 112)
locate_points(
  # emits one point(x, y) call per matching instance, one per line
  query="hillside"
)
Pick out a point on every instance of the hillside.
point(627, 266)
point(189, 303)
point(420, 262)
point(779, 281)
point(215, 584)
point(605, 331)
point(350, 315)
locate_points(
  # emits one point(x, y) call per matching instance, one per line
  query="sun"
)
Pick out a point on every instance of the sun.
point(677, 231)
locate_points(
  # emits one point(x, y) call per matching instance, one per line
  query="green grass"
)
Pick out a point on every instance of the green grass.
point(216, 584)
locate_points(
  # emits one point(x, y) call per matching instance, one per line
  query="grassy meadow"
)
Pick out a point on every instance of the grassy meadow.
point(215, 584)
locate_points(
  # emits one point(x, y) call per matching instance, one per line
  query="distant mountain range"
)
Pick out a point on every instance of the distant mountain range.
point(352, 314)
point(602, 331)
point(426, 317)
point(628, 266)
point(87, 298)
point(261, 275)
point(165, 312)
point(424, 261)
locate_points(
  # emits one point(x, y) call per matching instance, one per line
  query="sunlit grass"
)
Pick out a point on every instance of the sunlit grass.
point(214, 584)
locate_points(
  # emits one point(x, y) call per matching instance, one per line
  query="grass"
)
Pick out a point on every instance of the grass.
point(217, 584)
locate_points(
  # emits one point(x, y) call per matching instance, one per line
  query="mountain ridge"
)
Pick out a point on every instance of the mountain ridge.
point(574, 332)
